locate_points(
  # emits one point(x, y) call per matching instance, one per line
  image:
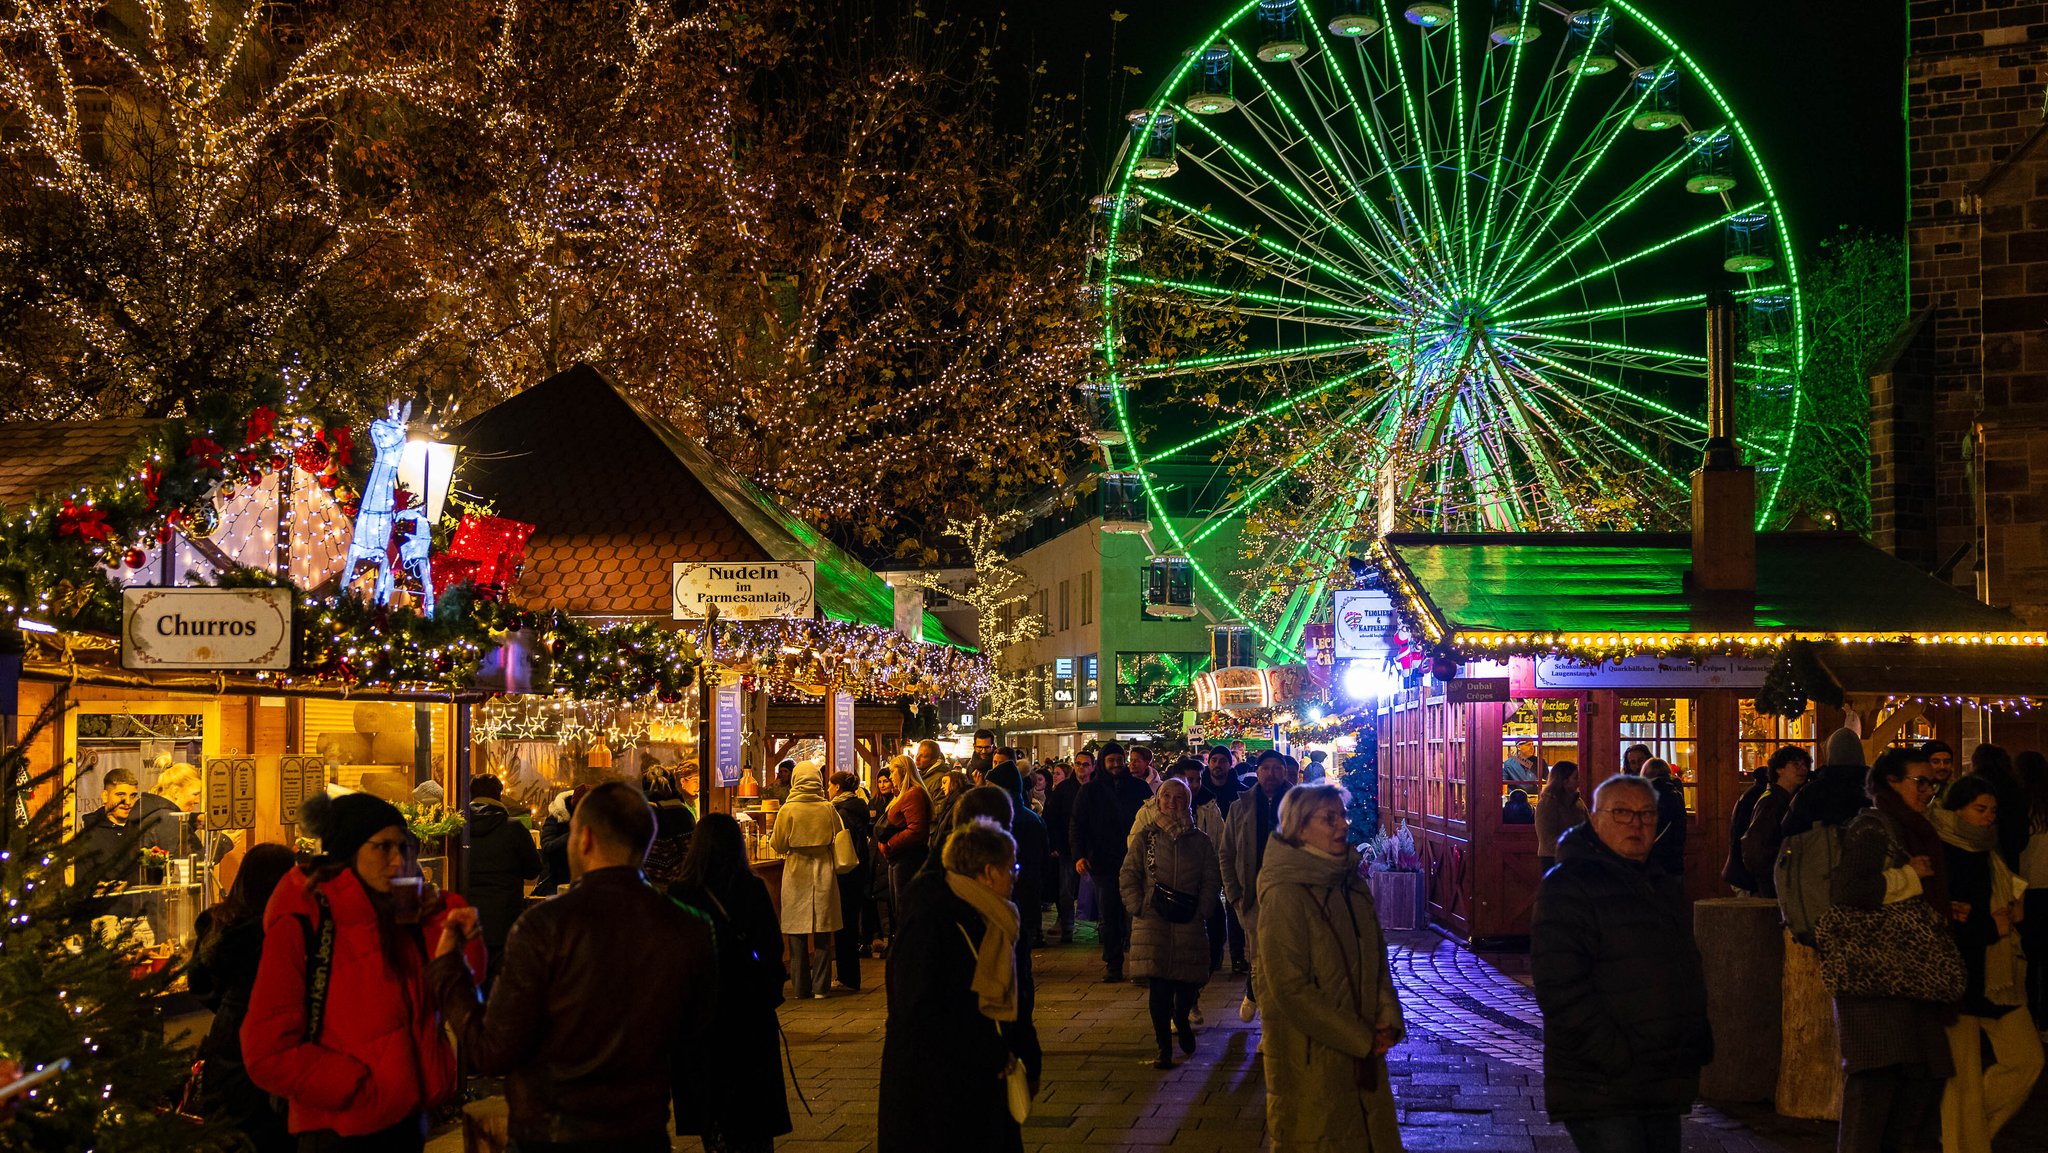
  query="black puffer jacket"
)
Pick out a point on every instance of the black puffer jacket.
point(1104, 811)
point(1618, 978)
point(501, 859)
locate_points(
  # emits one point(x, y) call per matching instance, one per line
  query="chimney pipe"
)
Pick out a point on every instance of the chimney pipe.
point(1723, 490)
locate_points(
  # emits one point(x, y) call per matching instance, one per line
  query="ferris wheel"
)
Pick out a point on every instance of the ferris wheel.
point(1367, 267)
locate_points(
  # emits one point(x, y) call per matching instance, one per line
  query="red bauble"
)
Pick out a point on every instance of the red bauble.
point(134, 558)
point(328, 480)
point(278, 462)
point(313, 456)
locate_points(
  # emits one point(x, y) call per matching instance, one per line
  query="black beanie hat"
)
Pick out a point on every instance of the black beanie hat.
point(345, 822)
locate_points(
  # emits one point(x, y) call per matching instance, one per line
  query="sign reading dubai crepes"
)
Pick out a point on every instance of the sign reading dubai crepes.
point(206, 628)
point(746, 590)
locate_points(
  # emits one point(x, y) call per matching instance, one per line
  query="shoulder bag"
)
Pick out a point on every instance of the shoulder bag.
point(1897, 950)
point(845, 854)
point(1016, 1086)
point(1176, 906)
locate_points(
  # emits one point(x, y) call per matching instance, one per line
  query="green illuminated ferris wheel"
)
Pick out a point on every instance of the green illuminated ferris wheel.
point(1437, 265)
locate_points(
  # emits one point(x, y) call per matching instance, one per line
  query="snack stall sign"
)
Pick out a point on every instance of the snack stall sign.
point(746, 590)
point(174, 628)
point(1640, 672)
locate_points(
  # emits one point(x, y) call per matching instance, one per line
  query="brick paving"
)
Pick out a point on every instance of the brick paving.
point(1469, 1076)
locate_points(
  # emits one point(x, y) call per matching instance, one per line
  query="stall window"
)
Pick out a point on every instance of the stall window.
point(1669, 726)
point(1763, 734)
point(167, 753)
point(1401, 758)
point(1445, 773)
point(1154, 678)
point(1551, 725)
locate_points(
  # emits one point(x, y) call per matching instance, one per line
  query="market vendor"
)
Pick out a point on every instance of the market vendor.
point(110, 841)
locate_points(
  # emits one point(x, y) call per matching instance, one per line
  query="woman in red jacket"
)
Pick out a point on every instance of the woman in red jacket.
point(905, 832)
point(359, 1056)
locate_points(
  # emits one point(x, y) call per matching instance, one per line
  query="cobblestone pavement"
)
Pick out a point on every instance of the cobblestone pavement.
point(1468, 1078)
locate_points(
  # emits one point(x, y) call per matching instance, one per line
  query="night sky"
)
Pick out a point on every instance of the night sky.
point(1818, 83)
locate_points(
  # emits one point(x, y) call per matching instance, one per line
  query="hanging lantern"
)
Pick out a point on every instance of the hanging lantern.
point(427, 469)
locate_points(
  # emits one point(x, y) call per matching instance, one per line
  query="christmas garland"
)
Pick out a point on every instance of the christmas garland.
point(55, 553)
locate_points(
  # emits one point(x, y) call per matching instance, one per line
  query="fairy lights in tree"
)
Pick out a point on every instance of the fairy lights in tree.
point(997, 595)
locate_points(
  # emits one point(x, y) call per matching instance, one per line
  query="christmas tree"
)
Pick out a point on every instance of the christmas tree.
point(75, 994)
point(1360, 776)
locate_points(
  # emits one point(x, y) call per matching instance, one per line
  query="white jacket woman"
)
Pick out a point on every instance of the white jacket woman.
point(804, 828)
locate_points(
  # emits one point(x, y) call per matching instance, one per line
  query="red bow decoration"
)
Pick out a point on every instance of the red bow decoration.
point(208, 451)
point(171, 523)
point(150, 476)
point(402, 498)
point(262, 423)
point(82, 521)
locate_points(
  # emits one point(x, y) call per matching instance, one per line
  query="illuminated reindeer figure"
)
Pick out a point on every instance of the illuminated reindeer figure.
point(371, 543)
point(413, 554)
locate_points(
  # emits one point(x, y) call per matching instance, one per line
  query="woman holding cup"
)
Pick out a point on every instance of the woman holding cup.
point(340, 1023)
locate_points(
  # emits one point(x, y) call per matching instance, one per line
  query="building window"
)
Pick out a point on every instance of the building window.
point(1155, 678)
point(1066, 604)
point(1091, 691)
point(1045, 607)
point(1088, 597)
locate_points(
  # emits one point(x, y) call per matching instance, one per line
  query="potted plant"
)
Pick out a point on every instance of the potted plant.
point(1394, 873)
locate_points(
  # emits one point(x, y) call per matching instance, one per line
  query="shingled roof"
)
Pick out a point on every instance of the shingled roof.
point(40, 458)
point(618, 495)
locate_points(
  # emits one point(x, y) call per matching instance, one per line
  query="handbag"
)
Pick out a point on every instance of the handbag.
point(1176, 906)
point(1896, 950)
point(1018, 1088)
point(845, 854)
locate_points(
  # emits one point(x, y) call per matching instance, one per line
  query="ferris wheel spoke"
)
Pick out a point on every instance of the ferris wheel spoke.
point(1645, 308)
point(1510, 399)
point(1352, 190)
point(1531, 175)
point(1167, 368)
point(1294, 462)
point(1498, 150)
point(1276, 408)
point(1610, 393)
point(1643, 253)
point(1418, 124)
point(1573, 177)
point(1290, 307)
point(1301, 232)
point(1662, 361)
point(1295, 271)
point(1600, 219)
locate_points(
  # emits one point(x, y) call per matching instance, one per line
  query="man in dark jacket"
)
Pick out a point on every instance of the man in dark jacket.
point(110, 841)
point(1104, 811)
point(1619, 981)
point(502, 858)
point(1059, 822)
point(1030, 833)
point(853, 886)
point(1733, 871)
point(604, 991)
point(1668, 846)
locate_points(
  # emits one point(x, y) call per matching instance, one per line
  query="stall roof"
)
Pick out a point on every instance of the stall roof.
point(1634, 583)
point(1936, 671)
point(618, 495)
point(40, 458)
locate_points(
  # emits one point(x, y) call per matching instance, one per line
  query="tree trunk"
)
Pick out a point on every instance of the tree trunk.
point(1809, 1067)
point(1742, 954)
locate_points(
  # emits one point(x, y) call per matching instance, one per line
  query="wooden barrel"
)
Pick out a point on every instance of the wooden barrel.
point(1809, 1064)
point(1741, 953)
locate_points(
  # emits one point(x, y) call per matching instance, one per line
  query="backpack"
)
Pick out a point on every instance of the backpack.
point(1805, 876)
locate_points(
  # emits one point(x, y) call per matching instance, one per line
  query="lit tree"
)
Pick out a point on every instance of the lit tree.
point(71, 994)
point(182, 205)
point(997, 595)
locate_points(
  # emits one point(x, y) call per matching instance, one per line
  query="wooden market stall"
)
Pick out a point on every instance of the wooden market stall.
point(624, 503)
point(1587, 644)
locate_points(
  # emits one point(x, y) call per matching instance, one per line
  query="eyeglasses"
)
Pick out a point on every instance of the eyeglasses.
point(1924, 784)
point(1633, 816)
point(389, 848)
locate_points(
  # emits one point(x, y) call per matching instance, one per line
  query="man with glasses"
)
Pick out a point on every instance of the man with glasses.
point(1619, 980)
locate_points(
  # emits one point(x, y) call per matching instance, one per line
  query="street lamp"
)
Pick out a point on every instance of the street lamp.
point(427, 469)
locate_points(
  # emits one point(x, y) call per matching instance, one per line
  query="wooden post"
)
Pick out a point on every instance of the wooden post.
point(1809, 1064)
point(1741, 953)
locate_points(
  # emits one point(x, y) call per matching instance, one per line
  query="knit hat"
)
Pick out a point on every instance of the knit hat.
point(345, 822)
point(1843, 748)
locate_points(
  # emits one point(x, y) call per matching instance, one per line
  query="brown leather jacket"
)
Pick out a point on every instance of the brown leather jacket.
point(604, 993)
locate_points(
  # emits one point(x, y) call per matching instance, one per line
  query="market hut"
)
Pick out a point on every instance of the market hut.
point(633, 521)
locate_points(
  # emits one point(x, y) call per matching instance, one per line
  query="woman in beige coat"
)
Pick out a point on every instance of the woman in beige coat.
point(1324, 987)
point(804, 828)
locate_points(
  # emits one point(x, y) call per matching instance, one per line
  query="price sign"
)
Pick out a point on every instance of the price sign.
point(231, 793)
point(844, 759)
point(1477, 691)
point(725, 734)
point(298, 778)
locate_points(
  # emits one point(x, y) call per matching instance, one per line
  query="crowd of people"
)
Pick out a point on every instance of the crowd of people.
point(339, 978)
point(1921, 882)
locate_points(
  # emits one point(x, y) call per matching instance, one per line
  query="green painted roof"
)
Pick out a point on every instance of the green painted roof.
point(1635, 583)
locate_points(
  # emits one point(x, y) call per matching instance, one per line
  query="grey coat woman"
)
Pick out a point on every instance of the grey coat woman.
point(804, 828)
point(1324, 988)
point(1171, 957)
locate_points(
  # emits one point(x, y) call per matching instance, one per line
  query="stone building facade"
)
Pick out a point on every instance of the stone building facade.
point(1959, 413)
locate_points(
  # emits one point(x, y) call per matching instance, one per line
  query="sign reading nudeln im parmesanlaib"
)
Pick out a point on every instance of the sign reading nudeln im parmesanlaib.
point(206, 628)
point(746, 590)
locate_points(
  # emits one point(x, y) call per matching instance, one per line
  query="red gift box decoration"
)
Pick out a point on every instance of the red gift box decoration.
point(496, 547)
